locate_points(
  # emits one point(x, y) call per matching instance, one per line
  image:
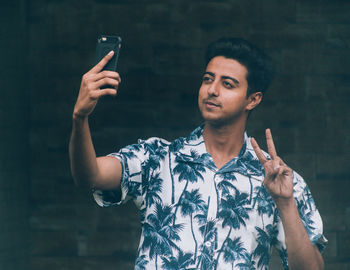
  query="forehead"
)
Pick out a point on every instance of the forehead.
point(222, 66)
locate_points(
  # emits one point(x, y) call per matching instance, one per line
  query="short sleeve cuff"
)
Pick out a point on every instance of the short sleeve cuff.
point(106, 198)
point(320, 241)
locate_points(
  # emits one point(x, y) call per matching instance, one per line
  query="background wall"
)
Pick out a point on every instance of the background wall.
point(14, 137)
point(46, 46)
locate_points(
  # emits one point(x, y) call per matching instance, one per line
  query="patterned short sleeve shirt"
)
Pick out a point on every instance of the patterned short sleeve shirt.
point(196, 216)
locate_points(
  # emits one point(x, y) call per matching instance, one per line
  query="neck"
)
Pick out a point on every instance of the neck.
point(223, 143)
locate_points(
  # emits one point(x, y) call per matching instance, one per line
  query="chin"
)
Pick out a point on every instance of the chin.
point(215, 121)
point(221, 121)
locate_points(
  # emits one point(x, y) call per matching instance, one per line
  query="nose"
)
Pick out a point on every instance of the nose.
point(213, 89)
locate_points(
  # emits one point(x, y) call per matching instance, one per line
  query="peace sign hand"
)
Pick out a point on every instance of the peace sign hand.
point(278, 176)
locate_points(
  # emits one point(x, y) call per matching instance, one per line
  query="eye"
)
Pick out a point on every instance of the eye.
point(228, 84)
point(207, 79)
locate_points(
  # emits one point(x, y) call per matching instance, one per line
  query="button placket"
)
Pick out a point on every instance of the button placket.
point(212, 207)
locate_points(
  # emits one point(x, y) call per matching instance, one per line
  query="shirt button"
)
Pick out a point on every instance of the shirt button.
point(207, 244)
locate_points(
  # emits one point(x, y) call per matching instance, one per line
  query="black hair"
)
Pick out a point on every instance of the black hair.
point(259, 66)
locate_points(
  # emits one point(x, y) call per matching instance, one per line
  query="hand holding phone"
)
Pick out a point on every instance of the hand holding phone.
point(105, 44)
point(102, 79)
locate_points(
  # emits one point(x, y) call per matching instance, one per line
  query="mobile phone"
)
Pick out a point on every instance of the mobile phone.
point(105, 44)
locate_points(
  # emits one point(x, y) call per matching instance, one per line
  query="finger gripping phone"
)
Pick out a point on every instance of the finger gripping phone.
point(105, 44)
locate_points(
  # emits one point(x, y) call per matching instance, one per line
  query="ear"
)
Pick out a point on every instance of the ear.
point(253, 100)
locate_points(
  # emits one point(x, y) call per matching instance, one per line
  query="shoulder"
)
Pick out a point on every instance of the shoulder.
point(142, 149)
point(155, 146)
point(160, 146)
point(154, 142)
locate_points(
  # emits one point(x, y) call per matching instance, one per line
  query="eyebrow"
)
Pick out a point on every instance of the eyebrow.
point(223, 77)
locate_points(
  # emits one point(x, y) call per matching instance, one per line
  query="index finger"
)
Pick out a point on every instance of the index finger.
point(258, 151)
point(270, 144)
point(99, 66)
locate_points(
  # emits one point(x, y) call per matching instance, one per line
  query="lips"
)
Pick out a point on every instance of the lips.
point(211, 104)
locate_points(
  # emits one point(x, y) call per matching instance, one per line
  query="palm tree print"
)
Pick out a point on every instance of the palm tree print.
point(151, 164)
point(248, 263)
point(233, 212)
point(192, 203)
point(181, 262)
point(247, 164)
point(153, 190)
point(174, 147)
point(234, 250)
point(208, 230)
point(130, 150)
point(206, 258)
point(197, 133)
point(206, 227)
point(250, 164)
point(157, 153)
point(264, 201)
point(226, 185)
point(190, 172)
point(309, 200)
point(155, 147)
point(160, 233)
point(284, 257)
point(264, 239)
point(306, 217)
point(141, 263)
point(134, 189)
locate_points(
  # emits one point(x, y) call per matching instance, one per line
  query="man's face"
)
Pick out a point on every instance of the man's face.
point(222, 96)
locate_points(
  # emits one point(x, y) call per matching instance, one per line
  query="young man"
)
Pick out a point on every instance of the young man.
point(212, 200)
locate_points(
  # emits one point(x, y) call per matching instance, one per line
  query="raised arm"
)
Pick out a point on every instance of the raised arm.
point(302, 254)
point(87, 170)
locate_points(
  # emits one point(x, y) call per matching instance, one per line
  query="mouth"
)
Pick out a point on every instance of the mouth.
point(211, 104)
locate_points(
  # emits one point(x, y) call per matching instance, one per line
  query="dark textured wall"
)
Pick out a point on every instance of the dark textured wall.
point(47, 46)
point(14, 134)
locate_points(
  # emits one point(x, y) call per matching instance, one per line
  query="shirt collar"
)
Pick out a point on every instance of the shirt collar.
point(193, 150)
